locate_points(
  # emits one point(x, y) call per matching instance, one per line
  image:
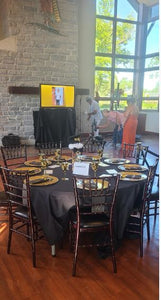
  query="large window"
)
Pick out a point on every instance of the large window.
point(122, 66)
point(150, 92)
point(115, 49)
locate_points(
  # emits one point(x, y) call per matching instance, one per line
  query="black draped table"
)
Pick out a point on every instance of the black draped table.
point(52, 203)
point(54, 124)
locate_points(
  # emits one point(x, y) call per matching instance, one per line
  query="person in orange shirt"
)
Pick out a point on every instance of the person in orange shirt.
point(130, 122)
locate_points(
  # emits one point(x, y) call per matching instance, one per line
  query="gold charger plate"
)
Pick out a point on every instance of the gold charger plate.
point(93, 185)
point(42, 180)
point(31, 170)
point(132, 167)
point(132, 176)
point(96, 157)
point(63, 157)
point(35, 163)
point(117, 161)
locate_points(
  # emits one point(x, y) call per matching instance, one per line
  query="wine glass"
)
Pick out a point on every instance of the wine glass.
point(100, 153)
point(94, 166)
point(43, 160)
point(41, 156)
point(58, 155)
point(78, 153)
point(44, 163)
point(77, 139)
point(64, 167)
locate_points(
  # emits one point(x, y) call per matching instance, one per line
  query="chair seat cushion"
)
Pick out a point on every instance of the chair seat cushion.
point(22, 211)
point(89, 221)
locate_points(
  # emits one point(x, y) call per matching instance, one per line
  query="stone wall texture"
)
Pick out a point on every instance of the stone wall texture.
point(41, 57)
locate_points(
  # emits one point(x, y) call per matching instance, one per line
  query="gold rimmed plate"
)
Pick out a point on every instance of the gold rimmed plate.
point(96, 157)
point(31, 170)
point(93, 184)
point(132, 176)
point(117, 161)
point(62, 157)
point(35, 163)
point(42, 180)
point(132, 167)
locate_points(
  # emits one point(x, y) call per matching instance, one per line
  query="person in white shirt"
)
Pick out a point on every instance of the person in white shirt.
point(94, 114)
point(59, 96)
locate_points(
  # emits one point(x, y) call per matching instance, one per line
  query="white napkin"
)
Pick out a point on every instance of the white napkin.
point(101, 164)
point(48, 172)
point(53, 166)
point(111, 171)
point(104, 175)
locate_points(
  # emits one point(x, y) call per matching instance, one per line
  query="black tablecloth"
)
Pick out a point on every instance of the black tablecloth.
point(52, 204)
point(53, 125)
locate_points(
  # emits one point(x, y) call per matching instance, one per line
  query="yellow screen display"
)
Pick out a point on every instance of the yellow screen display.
point(56, 95)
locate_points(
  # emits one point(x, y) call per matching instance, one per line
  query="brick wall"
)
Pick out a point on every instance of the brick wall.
point(41, 57)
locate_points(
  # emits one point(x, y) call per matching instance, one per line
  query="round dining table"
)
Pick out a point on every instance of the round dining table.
point(52, 202)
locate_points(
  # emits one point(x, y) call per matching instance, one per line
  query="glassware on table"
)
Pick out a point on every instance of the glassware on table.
point(94, 166)
point(78, 153)
point(41, 156)
point(44, 163)
point(64, 166)
point(77, 139)
point(58, 155)
point(100, 153)
point(43, 160)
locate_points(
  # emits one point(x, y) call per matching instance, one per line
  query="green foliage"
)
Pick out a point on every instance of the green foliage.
point(103, 61)
point(107, 105)
point(124, 63)
point(150, 104)
point(152, 62)
point(103, 44)
point(151, 84)
point(126, 84)
point(103, 83)
point(103, 36)
point(105, 7)
point(125, 33)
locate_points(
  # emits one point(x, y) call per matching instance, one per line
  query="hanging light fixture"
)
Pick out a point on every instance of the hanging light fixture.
point(51, 16)
point(51, 12)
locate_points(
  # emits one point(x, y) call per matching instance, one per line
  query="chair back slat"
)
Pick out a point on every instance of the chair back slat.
point(22, 219)
point(17, 189)
point(49, 148)
point(140, 215)
point(149, 184)
point(93, 144)
point(14, 155)
point(92, 218)
point(95, 195)
point(137, 152)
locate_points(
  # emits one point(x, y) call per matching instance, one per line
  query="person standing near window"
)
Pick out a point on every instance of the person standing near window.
point(94, 114)
point(131, 122)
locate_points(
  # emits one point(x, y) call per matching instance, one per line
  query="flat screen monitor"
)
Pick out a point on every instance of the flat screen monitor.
point(54, 95)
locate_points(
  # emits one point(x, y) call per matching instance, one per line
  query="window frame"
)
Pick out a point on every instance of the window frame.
point(139, 57)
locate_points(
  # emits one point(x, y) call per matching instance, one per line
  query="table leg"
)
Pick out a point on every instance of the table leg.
point(53, 251)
